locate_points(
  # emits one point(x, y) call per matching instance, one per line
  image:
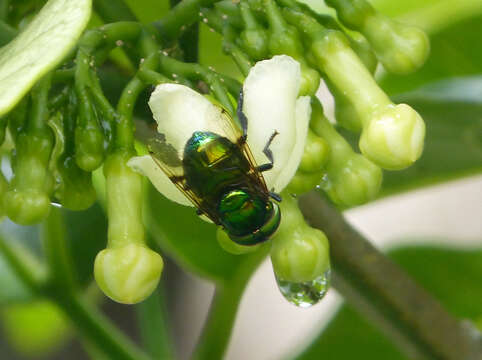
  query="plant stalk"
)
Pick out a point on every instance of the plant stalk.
point(385, 294)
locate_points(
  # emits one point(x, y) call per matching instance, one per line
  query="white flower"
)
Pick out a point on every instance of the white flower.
point(271, 104)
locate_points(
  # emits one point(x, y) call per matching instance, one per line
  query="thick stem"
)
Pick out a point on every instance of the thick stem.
point(384, 293)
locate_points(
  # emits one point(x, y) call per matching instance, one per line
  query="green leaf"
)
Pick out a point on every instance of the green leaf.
point(191, 241)
point(452, 276)
point(40, 48)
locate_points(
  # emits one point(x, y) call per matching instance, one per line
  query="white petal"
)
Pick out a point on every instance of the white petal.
point(180, 111)
point(302, 120)
point(146, 166)
point(270, 93)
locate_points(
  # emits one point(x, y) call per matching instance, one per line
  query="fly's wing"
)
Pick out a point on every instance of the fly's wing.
point(167, 158)
point(233, 132)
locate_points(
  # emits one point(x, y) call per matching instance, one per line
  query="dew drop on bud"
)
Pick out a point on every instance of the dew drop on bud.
point(305, 294)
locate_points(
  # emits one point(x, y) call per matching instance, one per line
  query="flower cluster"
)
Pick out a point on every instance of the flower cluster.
point(59, 128)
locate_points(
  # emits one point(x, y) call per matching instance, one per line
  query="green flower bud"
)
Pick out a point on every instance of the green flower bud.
point(394, 137)
point(27, 207)
point(315, 154)
point(27, 202)
point(299, 253)
point(254, 38)
point(400, 48)
point(76, 191)
point(310, 79)
point(89, 147)
point(128, 274)
point(350, 178)
point(373, 107)
point(231, 247)
point(303, 182)
point(127, 271)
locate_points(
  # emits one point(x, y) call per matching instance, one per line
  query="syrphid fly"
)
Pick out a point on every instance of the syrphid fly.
point(216, 171)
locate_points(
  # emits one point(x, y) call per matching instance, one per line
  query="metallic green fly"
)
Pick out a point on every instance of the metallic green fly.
point(217, 172)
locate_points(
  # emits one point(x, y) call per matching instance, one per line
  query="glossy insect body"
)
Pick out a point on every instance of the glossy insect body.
point(217, 171)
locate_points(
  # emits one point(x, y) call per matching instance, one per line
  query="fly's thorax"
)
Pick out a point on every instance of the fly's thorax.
point(248, 218)
point(211, 163)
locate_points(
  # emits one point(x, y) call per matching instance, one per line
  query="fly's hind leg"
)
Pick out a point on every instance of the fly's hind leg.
point(269, 154)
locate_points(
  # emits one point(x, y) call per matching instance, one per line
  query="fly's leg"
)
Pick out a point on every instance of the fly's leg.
point(241, 116)
point(269, 154)
point(275, 196)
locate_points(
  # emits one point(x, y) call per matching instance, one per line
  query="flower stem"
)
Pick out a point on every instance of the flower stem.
point(386, 294)
point(97, 329)
point(113, 10)
point(152, 319)
point(180, 17)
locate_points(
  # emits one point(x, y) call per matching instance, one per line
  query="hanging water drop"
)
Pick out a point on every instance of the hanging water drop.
point(305, 294)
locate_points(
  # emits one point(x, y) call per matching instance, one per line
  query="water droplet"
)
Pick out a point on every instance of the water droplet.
point(305, 294)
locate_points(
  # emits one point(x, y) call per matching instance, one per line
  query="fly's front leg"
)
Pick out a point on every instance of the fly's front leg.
point(269, 154)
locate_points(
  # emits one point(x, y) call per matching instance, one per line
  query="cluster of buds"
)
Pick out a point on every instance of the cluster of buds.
point(65, 128)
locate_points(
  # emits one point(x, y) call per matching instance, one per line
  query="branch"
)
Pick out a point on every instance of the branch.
point(386, 294)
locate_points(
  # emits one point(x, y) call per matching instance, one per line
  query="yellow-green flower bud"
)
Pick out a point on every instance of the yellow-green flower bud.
point(350, 178)
point(394, 137)
point(231, 247)
point(254, 38)
point(127, 271)
point(400, 48)
point(299, 253)
point(128, 274)
point(315, 154)
point(303, 182)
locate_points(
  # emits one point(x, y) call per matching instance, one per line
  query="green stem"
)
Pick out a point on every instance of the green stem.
point(222, 314)
point(97, 329)
point(27, 272)
point(61, 271)
point(194, 71)
point(385, 294)
point(184, 14)
point(113, 10)
point(152, 319)
point(39, 104)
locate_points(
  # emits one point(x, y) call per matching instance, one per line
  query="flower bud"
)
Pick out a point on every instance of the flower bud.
point(303, 182)
point(394, 137)
point(89, 147)
point(315, 154)
point(352, 181)
point(254, 38)
point(127, 271)
point(299, 253)
point(27, 207)
point(128, 274)
point(231, 247)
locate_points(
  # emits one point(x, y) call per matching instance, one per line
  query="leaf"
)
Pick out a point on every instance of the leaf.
point(452, 276)
point(191, 241)
point(40, 48)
